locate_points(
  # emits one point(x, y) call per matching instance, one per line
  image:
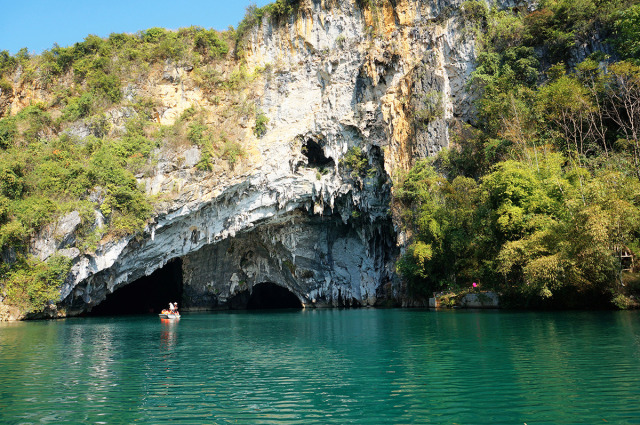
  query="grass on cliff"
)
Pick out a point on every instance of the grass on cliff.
point(41, 179)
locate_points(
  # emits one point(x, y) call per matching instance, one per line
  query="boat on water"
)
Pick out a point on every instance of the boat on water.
point(166, 314)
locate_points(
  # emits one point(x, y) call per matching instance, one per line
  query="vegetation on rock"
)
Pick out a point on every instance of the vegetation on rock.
point(541, 201)
point(278, 10)
point(85, 144)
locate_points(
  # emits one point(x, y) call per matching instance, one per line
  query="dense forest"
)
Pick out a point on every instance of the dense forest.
point(539, 199)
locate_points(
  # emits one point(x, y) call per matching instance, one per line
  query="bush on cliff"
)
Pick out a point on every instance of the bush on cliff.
point(32, 284)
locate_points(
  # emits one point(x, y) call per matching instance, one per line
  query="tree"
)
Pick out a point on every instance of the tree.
point(627, 33)
point(566, 103)
point(623, 90)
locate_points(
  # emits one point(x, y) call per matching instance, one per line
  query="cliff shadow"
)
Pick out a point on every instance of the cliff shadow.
point(149, 294)
point(265, 296)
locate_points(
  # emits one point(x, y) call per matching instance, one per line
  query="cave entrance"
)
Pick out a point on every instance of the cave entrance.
point(268, 295)
point(149, 294)
point(315, 155)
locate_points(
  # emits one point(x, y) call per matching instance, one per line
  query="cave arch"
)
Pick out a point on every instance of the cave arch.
point(269, 296)
point(149, 294)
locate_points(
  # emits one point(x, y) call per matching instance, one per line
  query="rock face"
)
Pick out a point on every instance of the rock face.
point(480, 300)
point(329, 241)
point(57, 238)
point(321, 260)
point(383, 84)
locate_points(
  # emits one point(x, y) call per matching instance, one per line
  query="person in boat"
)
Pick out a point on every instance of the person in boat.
point(175, 308)
point(171, 308)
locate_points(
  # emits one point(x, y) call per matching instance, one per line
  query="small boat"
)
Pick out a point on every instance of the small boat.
point(166, 314)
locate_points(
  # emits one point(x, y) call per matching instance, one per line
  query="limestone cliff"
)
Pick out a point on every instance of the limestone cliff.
point(383, 82)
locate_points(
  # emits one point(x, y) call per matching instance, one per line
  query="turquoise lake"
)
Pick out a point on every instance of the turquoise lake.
point(324, 367)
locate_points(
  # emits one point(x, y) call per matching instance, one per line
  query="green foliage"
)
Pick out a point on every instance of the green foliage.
point(536, 234)
point(260, 129)
point(504, 31)
point(553, 201)
point(47, 178)
point(238, 78)
point(8, 132)
point(232, 151)
point(35, 120)
point(107, 168)
point(11, 179)
point(439, 214)
point(153, 35)
point(171, 46)
point(106, 85)
point(7, 62)
point(12, 234)
point(196, 133)
point(6, 88)
point(33, 283)
point(209, 43)
point(35, 211)
point(206, 159)
point(79, 107)
point(623, 302)
point(91, 45)
point(208, 79)
point(474, 11)
point(627, 33)
point(280, 9)
point(356, 161)
point(429, 108)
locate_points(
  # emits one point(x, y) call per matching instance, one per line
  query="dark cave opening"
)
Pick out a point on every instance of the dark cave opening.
point(315, 154)
point(268, 296)
point(149, 294)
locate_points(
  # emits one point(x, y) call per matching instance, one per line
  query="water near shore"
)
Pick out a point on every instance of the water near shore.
point(329, 366)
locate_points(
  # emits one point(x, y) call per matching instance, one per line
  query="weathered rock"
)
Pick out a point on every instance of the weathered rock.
point(9, 313)
point(480, 300)
point(486, 299)
point(291, 212)
point(321, 260)
point(171, 72)
point(55, 237)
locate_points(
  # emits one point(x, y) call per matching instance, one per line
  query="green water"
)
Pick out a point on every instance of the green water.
point(329, 366)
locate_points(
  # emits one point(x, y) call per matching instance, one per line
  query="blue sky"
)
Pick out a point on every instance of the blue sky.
point(37, 24)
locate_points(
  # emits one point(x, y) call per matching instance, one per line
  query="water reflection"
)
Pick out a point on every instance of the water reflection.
point(336, 366)
point(168, 334)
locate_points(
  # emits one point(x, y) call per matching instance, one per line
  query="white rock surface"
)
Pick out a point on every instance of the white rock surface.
point(336, 77)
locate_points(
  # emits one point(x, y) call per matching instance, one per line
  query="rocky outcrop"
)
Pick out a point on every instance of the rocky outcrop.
point(321, 260)
point(388, 79)
point(57, 238)
point(327, 239)
point(367, 72)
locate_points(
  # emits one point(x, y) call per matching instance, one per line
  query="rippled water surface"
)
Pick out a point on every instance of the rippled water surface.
point(329, 366)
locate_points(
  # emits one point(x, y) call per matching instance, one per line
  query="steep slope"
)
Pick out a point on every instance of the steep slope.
point(346, 97)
